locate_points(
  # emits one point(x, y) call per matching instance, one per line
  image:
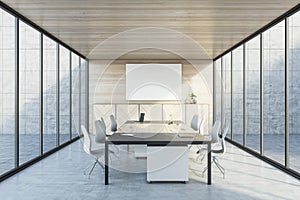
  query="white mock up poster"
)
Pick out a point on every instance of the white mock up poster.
point(153, 81)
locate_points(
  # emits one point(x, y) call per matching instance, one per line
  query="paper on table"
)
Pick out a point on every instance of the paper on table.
point(128, 134)
point(186, 135)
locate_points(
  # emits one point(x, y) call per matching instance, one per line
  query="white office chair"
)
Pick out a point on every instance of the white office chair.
point(100, 128)
point(100, 136)
point(215, 131)
point(113, 125)
point(214, 138)
point(87, 146)
point(197, 125)
point(219, 152)
point(224, 122)
point(102, 119)
point(201, 127)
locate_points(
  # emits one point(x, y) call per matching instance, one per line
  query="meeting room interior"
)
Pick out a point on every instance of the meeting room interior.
point(140, 99)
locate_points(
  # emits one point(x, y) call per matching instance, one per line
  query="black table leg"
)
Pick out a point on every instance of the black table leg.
point(106, 163)
point(209, 164)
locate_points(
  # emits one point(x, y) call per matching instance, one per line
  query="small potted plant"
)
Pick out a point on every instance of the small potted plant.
point(193, 99)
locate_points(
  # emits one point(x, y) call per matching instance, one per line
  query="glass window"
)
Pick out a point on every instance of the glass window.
point(217, 80)
point(83, 76)
point(274, 92)
point(29, 102)
point(49, 94)
point(75, 95)
point(7, 92)
point(237, 95)
point(30, 94)
point(253, 93)
point(227, 90)
point(294, 91)
point(64, 94)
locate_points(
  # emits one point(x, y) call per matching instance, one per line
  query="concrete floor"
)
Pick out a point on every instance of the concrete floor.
point(29, 148)
point(60, 176)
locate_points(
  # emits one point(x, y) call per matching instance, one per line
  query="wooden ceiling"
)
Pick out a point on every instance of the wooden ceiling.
point(215, 25)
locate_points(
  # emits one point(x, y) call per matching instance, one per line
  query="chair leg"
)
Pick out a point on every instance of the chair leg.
point(110, 160)
point(197, 172)
point(92, 169)
point(202, 157)
point(85, 170)
point(220, 167)
point(100, 164)
point(199, 149)
point(205, 169)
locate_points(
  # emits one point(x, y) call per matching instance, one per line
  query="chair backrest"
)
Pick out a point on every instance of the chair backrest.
point(103, 122)
point(224, 123)
point(201, 127)
point(100, 131)
point(223, 144)
point(113, 126)
point(87, 145)
point(215, 131)
point(225, 131)
point(195, 123)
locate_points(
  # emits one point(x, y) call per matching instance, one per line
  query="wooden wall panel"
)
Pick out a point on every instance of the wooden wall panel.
point(107, 82)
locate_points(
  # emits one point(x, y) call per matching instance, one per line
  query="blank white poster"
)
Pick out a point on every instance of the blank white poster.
point(153, 81)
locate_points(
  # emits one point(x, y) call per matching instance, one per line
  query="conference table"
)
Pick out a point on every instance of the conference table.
point(157, 133)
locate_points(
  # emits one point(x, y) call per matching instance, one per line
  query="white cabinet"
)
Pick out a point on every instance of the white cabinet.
point(125, 112)
point(153, 112)
point(167, 163)
point(174, 112)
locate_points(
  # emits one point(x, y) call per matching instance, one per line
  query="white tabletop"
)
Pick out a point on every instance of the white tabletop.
point(148, 129)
